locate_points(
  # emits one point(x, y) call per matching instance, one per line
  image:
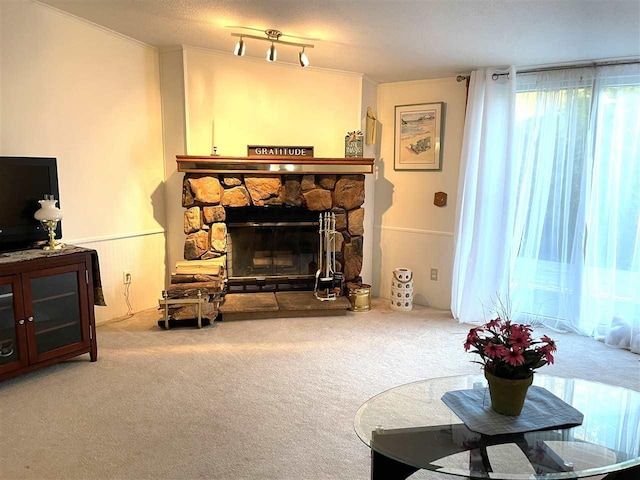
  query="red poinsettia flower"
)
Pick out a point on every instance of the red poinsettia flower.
point(506, 326)
point(551, 345)
point(514, 357)
point(493, 350)
point(467, 345)
point(493, 323)
point(473, 333)
point(519, 337)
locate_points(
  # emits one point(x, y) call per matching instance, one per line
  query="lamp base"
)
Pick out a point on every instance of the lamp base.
point(50, 225)
point(55, 246)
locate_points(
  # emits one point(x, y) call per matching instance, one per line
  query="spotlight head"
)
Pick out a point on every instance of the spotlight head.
point(240, 47)
point(272, 53)
point(303, 59)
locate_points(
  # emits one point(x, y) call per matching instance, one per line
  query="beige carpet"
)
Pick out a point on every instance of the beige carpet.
point(262, 399)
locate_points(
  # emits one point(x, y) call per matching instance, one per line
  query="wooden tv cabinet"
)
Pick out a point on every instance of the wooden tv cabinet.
point(46, 308)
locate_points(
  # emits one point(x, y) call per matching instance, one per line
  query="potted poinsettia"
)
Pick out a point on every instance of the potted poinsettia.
point(509, 356)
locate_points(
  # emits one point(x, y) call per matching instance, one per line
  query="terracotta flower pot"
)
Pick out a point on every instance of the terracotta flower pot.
point(507, 395)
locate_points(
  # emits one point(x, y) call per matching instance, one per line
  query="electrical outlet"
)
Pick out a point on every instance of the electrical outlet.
point(126, 277)
point(434, 274)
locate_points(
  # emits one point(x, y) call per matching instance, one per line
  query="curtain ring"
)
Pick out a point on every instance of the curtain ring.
point(494, 76)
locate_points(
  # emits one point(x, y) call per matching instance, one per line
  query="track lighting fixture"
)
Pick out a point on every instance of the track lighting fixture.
point(272, 36)
point(272, 53)
point(240, 47)
point(303, 59)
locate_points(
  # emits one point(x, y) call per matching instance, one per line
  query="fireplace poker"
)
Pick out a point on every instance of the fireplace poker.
point(328, 281)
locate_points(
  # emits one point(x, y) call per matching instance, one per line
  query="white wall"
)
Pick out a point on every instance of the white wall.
point(369, 99)
point(253, 102)
point(410, 231)
point(91, 98)
point(260, 103)
point(172, 75)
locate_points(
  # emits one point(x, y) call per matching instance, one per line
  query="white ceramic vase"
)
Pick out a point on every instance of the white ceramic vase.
point(402, 290)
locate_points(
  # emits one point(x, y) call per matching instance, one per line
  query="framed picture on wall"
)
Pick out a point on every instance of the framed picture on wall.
point(418, 136)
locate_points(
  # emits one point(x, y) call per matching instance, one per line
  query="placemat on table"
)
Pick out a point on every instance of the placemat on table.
point(542, 411)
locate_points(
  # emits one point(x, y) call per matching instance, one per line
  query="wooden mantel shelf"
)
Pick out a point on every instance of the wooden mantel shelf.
point(273, 165)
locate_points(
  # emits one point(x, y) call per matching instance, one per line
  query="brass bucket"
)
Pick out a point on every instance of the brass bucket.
point(360, 298)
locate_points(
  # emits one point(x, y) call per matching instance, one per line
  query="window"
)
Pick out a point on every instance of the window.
point(577, 225)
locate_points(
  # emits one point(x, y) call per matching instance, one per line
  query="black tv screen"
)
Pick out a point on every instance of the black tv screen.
point(24, 181)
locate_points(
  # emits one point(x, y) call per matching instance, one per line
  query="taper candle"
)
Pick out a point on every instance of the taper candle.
point(213, 136)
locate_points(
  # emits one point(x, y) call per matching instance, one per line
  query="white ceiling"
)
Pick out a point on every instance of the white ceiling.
point(388, 40)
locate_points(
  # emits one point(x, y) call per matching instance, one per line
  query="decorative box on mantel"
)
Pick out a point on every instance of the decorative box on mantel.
point(218, 190)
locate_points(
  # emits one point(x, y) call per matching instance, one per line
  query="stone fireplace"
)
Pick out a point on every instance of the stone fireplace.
point(263, 226)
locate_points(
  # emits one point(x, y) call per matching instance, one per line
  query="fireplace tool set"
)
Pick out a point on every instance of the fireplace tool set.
point(328, 281)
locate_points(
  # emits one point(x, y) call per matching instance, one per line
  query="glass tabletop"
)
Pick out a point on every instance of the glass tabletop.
point(410, 424)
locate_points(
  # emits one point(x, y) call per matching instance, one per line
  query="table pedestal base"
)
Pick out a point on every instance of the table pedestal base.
point(385, 468)
point(631, 474)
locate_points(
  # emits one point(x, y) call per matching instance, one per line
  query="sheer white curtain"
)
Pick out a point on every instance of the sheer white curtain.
point(552, 143)
point(486, 194)
point(579, 208)
point(611, 284)
point(556, 224)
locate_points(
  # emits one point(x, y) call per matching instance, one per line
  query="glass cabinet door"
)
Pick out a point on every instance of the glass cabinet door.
point(56, 317)
point(10, 330)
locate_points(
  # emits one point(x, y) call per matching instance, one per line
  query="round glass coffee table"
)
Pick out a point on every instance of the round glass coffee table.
point(409, 428)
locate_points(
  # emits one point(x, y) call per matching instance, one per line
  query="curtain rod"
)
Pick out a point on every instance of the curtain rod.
point(461, 78)
point(581, 65)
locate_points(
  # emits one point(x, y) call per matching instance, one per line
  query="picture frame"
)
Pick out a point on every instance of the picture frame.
point(418, 136)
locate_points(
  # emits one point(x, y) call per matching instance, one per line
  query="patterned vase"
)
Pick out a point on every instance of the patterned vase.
point(402, 290)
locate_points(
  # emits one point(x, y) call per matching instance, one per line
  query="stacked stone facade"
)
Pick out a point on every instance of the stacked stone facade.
point(207, 197)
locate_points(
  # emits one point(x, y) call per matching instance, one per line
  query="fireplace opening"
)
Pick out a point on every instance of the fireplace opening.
point(271, 248)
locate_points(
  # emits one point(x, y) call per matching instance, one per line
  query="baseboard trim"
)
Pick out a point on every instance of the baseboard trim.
point(414, 230)
point(117, 236)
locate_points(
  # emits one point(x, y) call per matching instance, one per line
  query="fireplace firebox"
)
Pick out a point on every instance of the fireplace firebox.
point(271, 248)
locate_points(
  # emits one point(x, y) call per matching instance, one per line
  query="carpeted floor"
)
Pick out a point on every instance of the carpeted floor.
point(261, 399)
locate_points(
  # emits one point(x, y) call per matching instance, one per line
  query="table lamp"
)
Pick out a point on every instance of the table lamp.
point(49, 215)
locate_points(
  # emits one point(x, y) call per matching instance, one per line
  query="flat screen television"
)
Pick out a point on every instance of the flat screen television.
point(24, 181)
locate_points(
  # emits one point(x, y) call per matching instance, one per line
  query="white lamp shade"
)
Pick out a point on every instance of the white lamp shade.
point(48, 211)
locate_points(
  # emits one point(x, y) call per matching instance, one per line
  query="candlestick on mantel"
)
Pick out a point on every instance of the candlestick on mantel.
point(214, 150)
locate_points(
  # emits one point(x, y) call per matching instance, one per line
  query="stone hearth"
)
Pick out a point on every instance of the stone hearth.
point(253, 306)
point(207, 197)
